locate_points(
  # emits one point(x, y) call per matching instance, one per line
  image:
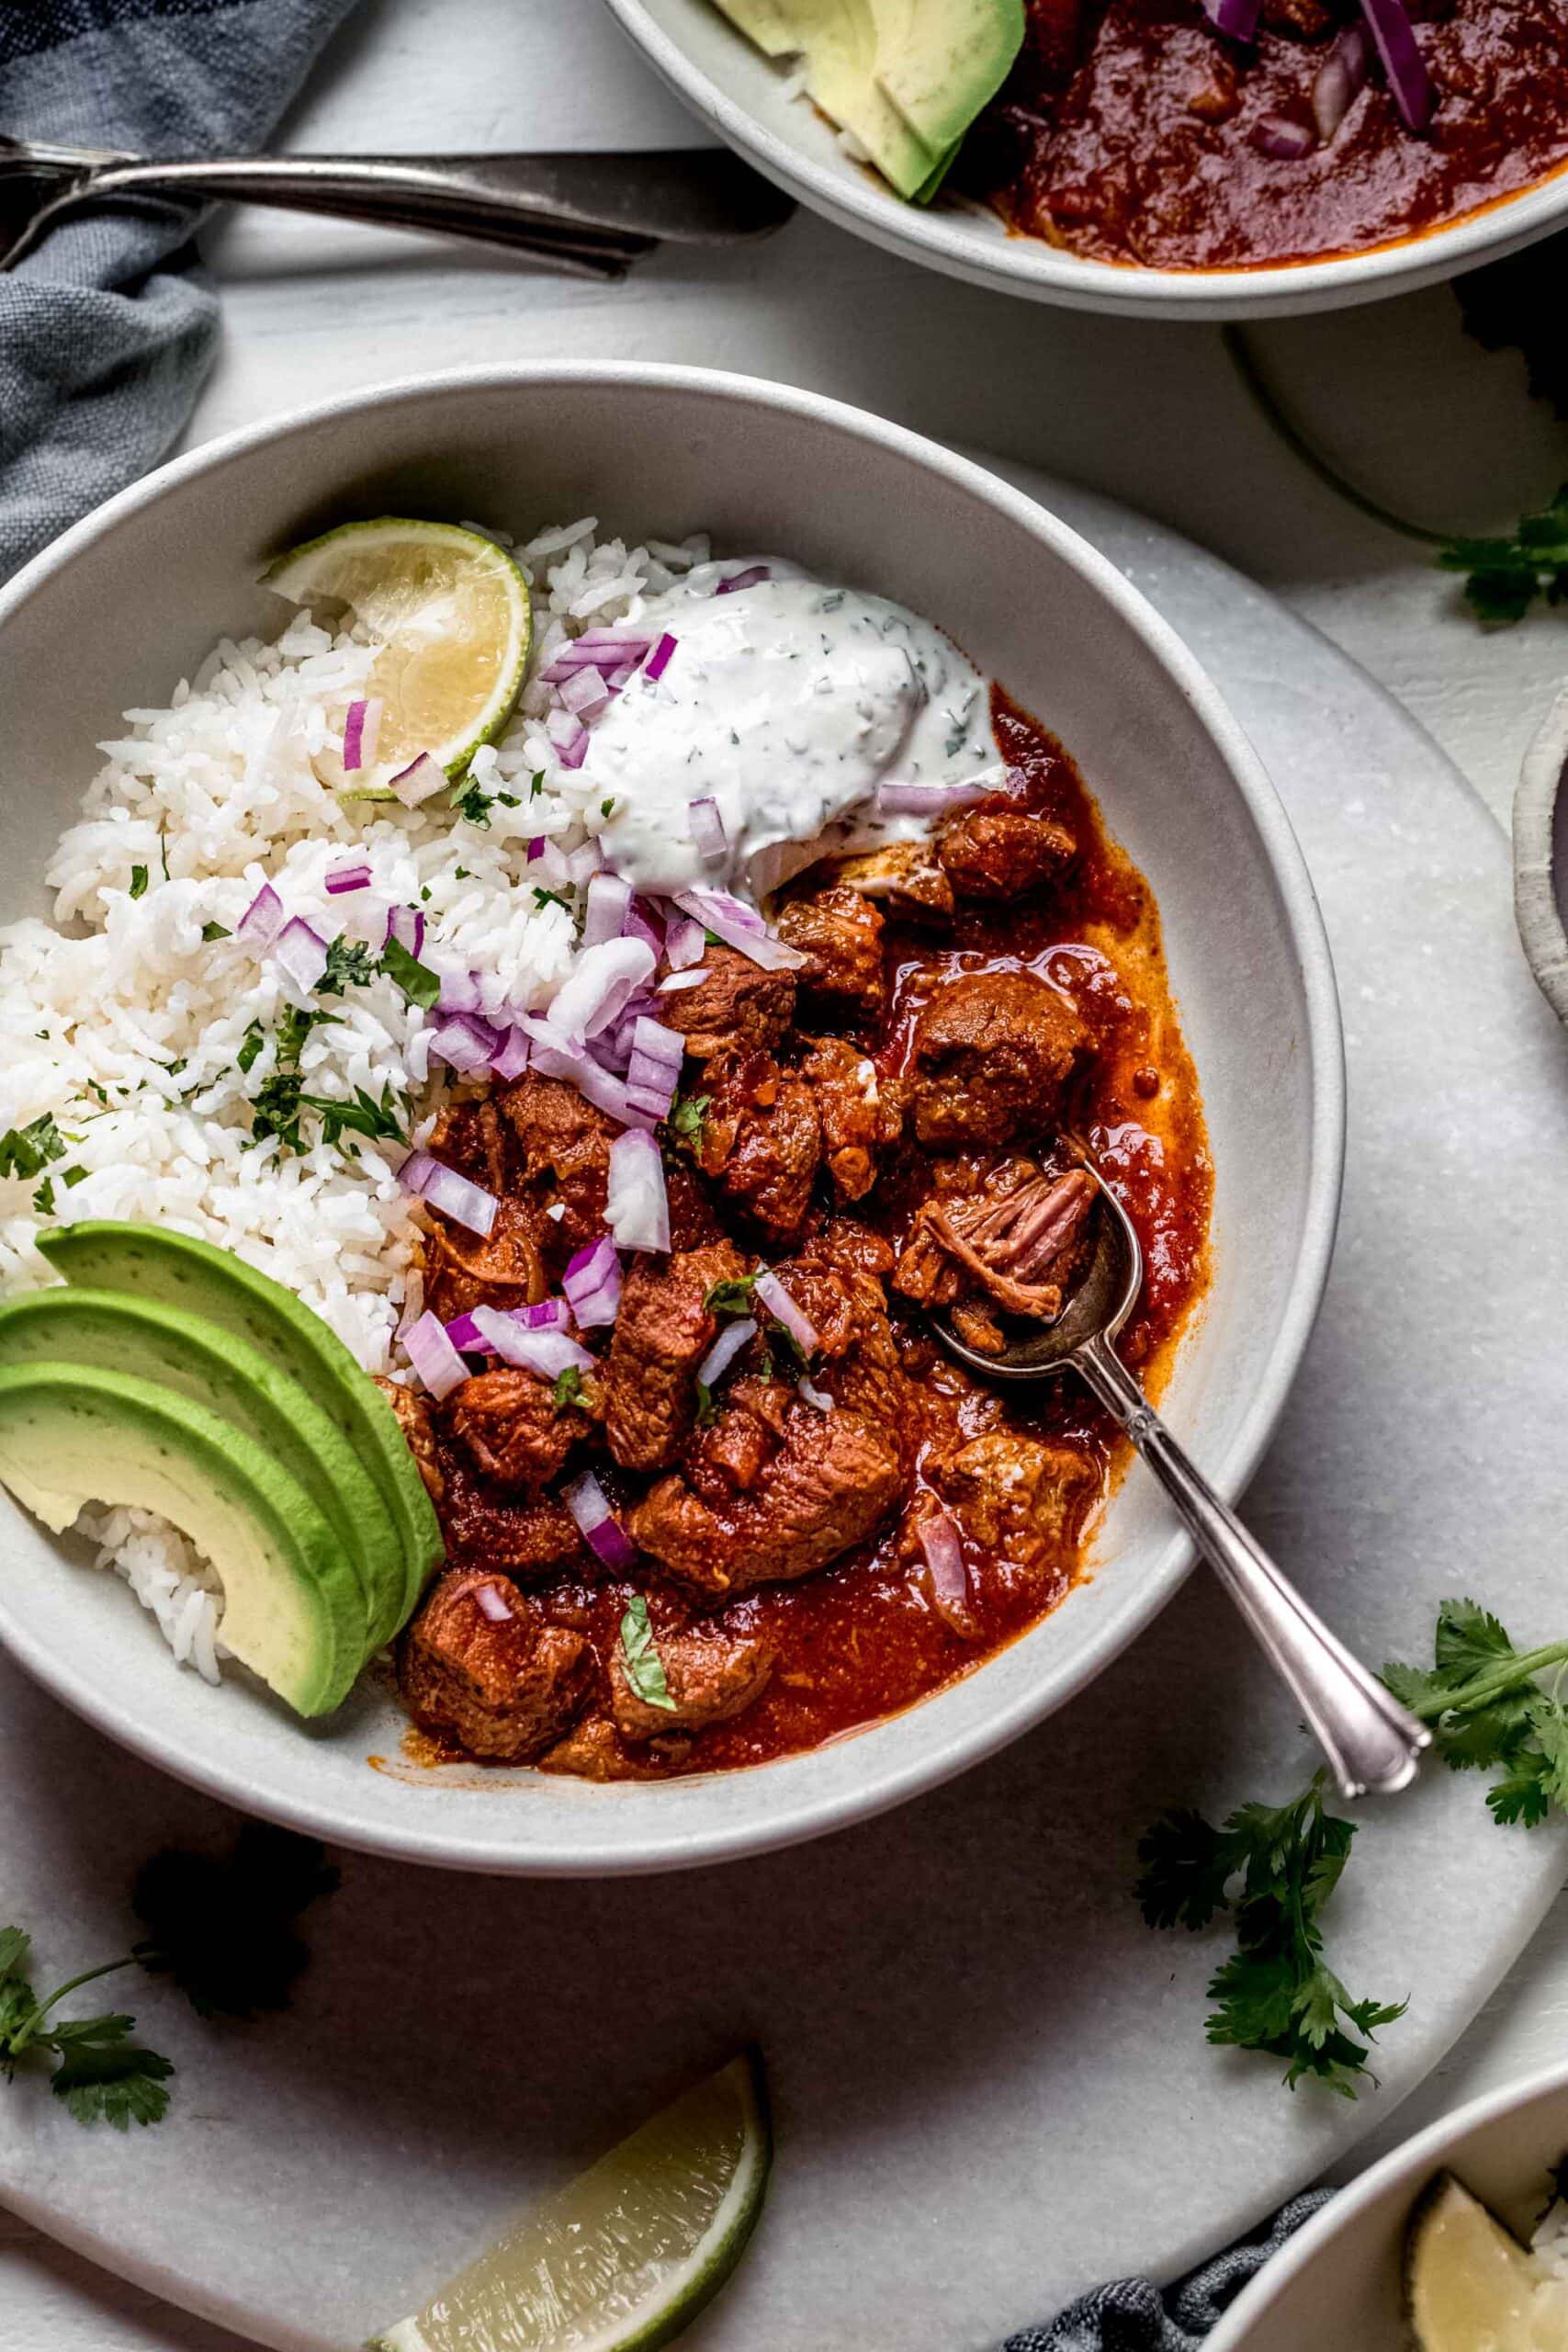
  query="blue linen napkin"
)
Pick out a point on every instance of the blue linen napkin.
point(1135, 2315)
point(106, 332)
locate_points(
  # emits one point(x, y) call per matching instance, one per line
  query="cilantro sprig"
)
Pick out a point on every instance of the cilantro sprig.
point(27, 1151)
point(1270, 1869)
point(1488, 1711)
point(94, 2066)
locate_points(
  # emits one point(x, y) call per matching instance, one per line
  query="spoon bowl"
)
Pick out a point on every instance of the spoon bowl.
point(1101, 1300)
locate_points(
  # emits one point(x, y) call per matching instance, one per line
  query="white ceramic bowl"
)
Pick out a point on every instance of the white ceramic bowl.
point(119, 608)
point(1337, 2283)
point(744, 100)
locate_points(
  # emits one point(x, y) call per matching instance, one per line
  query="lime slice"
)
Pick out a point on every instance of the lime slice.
point(451, 611)
point(1472, 2287)
point(622, 2259)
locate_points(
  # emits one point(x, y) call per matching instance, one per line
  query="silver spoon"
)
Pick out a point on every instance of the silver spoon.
point(601, 210)
point(1371, 1741)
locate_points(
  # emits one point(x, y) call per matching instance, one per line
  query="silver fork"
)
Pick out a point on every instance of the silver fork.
point(589, 215)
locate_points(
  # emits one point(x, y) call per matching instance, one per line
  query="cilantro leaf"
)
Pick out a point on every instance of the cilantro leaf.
point(15, 1945)
point(1487, 1711)
point(117, 2083)
point(43, 1197)
point(568, 1389)
point(1272, 1868)
point(543, 899)
point(639, 1656)
point(708, 1406)
point(686, 1116)
point(476, 806)
point(380, 1121)
point(1504, 576)
point(27, 1151)
point(417, 981)
point(349, 965)
point(250, 1046)
point(137, 881)
point(733, 1297)
point(210, 931)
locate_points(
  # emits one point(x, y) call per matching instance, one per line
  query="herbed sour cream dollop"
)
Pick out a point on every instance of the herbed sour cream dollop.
point(787, 705)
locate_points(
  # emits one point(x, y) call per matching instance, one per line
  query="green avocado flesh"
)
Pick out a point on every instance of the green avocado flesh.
point(173, 1269)
point(905, 77)
point(292, 1607)
point(113, 1332)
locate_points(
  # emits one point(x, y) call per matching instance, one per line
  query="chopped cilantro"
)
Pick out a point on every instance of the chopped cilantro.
point(568, 1388)
point(476, 806)
point(137, 881)
point(732, 1297)
point(639, 1656)
point(607, 808)
point(536, 785)
point(210, 931)
point(27, 1151)
point(43, 1197)
point(250, 1046)
point(708, 1406)
point(349, 965)
point(509, 800)
point(551, 899)
point(417, 981)
point(686, 1116)
point(381, 1122)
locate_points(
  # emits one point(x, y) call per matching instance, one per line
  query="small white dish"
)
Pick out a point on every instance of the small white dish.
point(747, 101)
point(124, 604)
point(1337, 2283)
point(1540, 856)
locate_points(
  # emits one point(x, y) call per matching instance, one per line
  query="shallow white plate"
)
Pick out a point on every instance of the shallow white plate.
point(991, 2083)
point(733, 89)
point(114, 613)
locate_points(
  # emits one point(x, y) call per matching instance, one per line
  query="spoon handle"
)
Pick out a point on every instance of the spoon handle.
point(1371, 1741)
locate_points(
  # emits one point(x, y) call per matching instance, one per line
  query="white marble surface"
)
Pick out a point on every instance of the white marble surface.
point(1151, 415)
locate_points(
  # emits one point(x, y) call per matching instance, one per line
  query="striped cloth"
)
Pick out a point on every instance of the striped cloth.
point(106, 332)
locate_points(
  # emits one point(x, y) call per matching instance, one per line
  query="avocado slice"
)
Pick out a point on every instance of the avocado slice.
point(114, 1331)
point(174, 1269)
point(837, 38)
point(940, 62)
point(292, 1611)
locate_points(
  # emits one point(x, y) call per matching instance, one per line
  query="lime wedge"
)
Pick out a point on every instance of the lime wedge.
point(622, 2259)
point(451, 611)
point(1472, 2287)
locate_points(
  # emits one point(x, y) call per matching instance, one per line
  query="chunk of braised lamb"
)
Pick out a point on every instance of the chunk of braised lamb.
point(856, 1248)
point(761, 1141)
point(468, 1136)
point(693, 1220)
point(662, 1333)
point(1018, 1239)
point(710, 1675)
point(512, 1428)
point(496, 1676)
point(857, 1120)
point(838, 931)
point(996, 854)
point(593, 1750)
point(993, 1053)
point(504, 1268)
point(1018, 1498)
point(832, 1481)
point(736, 1008)
point(414, 1420)
point(906, 873)
point(565, 1144)
point(485, 1527)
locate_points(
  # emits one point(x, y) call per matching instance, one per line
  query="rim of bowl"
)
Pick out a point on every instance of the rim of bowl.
point(1536, 907)
point(1412, 2161)
point(1029, 267)
point(800, 1814)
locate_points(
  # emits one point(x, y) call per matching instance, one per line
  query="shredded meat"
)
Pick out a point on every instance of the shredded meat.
point(414, 1420)
point(710, 1675)
point(737, 1008)
point(504, 1688)
point(993, 1053)
point(838, 931)
point(1003, 853)
point(1018, 1242)
point(662, 1333)
point(761, 1140)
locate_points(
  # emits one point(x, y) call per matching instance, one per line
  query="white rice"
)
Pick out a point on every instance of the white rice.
point(119, 1022)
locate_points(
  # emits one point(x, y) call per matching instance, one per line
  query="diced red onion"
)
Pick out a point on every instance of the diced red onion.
point(429, 1348)
point(602, 1532)
point(783, 1309)
point(491, 1604)
point(584, 862)
point(723, 1351)
point(466, 1042)
point(584, 694)
point(609, 904)
point(460, 992)
point(819, 1397)
point(1279, 136)
point(752, 578)
point(546, 1315)
point(1340, 81)
point(406, 926)
point(674, 982)
point(347, 878)
point(431, 1180)
point(593, 1284)
point(946, 1575)
point(658, 1044)
point(263, 919)
point(512, 1059)
point(464, 1333)
point(595, 990)
point(683, 944)
point(637, 1209)
point(929, 799)
point(1403, 61)
point(547, 1353)
point(301, 955)
point(641, 924)
point(415, 783)
point(617, 679)
point(360, 729)
point(574, 750)
point(655, 1068)
point(707, 828)
point(596, 648)
point(739, 926)
point(549, 860)
point(554, 1056)
point(658, 659)
point(1236, 17)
